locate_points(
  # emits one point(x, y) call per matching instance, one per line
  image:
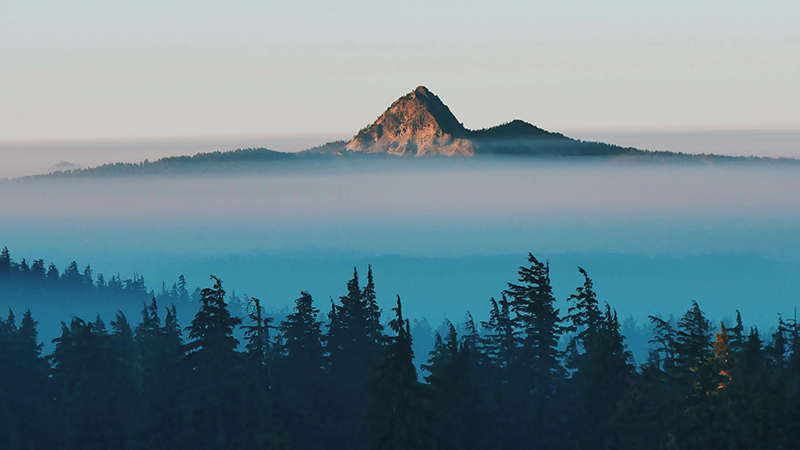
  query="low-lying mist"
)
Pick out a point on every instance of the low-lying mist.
point(444, 234)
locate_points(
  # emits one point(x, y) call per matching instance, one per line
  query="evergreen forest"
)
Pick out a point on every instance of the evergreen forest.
point(539, 373)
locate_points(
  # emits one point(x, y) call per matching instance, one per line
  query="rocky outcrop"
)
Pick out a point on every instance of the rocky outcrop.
point(417, 124)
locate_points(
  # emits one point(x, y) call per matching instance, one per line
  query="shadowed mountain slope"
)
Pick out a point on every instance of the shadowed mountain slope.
point(420, 124)
point(415, 125)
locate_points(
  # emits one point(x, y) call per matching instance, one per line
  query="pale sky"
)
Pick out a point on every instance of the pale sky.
point(179, 68)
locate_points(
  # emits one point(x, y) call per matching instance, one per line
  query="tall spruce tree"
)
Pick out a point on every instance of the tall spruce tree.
point(693, 350)
point(602, 365)
point(85, 376)
point(212, 418)
point(463, 420)
point(24, 384)
point(354, 347)
point(369, 297)
point(300, 378)
point(501, 338)
point(397, 419)
point(159, 380)
point(538, 371)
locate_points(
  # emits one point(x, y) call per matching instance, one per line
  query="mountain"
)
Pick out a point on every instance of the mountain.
point(420, 124)
point(417, 124)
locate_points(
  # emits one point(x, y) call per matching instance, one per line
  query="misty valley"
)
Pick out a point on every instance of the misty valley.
point(421, 286)
point(483, 348)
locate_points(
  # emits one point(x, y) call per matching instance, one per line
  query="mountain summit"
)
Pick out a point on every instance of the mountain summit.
point(420, 124)
point(417, 124)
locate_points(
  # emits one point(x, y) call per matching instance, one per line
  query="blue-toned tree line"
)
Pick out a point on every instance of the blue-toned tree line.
point(40, 283)
point(539, 373)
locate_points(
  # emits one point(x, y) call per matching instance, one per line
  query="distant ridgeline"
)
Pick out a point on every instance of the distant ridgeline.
point(540, 373)
point(416, 125)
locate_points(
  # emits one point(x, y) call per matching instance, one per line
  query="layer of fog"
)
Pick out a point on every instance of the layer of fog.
point(654, 237)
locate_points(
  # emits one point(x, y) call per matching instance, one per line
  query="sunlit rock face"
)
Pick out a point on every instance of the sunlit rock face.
point(420, 124)
point(417, 124)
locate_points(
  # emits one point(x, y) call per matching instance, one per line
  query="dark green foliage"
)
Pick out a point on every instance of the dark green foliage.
point(398, 419)
point(603, 367)
point(65, 293)
point(158, 378)
point(93, 382)
point(25, 390)
point(533, 304)
point(212, 420)
point(300, 375)
point(536, 372)
point(507, 386)
point(354, 344)
point(463, 420)
point(257, 403)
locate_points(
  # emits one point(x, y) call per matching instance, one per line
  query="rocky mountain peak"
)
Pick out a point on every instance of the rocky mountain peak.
point(420, 124)
point(417, 124)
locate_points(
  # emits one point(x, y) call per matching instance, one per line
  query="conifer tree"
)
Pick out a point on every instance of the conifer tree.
point(793, 363)
point(5, 261)
point(353, 352)
point(662, 352)
point(182, 293)
point(534, 307)
point(300, 375)
point(211, 359)
point(722, 357)
point(749, 380)
point(121, 375)
point(397, 419)
point(501, 339)
point(462, 419)
point(88, 281)
point(23, 267)
point(258, 383)
point(83, 376)
point(699, 375)
point(373, 310)
point(777, 349)
point(162, 383)
point(584, 316)
point(52, 275)
point(24, 383)
point(693, 350)
point(147, 342)
point(72, 276)
point(302, 337)
point(538, 370)
point(257, 335)
point(600, 380)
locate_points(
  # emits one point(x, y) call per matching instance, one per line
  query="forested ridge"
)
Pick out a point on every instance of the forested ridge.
point(540, 372)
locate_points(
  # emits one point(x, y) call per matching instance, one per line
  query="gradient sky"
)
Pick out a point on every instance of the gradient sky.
point(179, 68)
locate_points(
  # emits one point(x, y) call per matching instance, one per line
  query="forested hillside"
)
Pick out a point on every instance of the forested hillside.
point(539, 373)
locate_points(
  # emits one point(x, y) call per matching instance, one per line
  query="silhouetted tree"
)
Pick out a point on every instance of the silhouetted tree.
point(212, 419)
point(354, 347)
point(300, 375)
point(397, 419)
point(538, 370)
